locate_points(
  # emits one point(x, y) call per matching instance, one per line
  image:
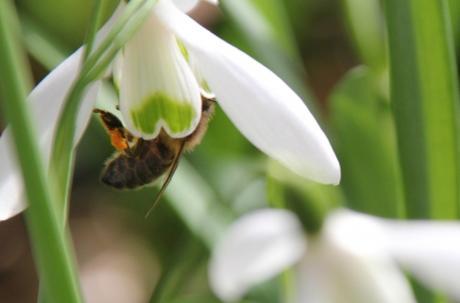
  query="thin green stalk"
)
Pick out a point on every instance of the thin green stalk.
point(365, 143)
point(62, 156)
point(95, 22)
point(425, 100)
point(454, 9)
point(129, 12)
point(49, 243)
point(288, 286)
point(61, 168)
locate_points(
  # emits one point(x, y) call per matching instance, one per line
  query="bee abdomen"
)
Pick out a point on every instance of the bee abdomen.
point(131, 171)
point(119, 173)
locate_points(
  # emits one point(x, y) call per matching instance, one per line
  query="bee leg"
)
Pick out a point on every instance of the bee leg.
point(167, 180)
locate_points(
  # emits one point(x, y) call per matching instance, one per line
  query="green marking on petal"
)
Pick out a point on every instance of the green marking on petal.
point(176, 114)
point(183, 50)
point(205, 86)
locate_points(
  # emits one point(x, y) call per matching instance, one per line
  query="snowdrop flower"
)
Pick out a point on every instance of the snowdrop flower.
point(161, 74)
point(355, 258)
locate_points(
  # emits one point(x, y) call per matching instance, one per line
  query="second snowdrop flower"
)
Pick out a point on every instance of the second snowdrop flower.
point(354, 258)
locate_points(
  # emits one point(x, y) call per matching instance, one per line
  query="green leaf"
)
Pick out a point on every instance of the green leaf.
point(364, 139)
point(62, 155)
point(454, 9)
point(365, 21)
point(49, 243)
point(424, 92)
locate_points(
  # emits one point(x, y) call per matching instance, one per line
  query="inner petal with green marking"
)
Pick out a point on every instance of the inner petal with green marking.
point(177, 115)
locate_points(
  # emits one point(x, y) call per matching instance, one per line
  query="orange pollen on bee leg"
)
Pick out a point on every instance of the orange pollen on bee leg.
point(118, 140)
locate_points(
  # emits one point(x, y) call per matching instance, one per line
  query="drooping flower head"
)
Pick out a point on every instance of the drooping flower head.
point(161, 73)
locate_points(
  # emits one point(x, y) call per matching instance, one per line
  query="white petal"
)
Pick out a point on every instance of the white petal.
point(188, 5)
point(46, 101)
point(255, 248)
point(348, 263)
point(334, 275)
point(260, 104)
point(430, 250)
point(205, 90)
point(158, 89)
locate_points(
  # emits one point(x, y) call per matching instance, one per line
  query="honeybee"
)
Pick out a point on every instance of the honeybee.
point(138, 162)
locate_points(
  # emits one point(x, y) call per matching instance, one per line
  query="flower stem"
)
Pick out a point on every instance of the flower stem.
point(96, 63)
point(50, 245)
point(424, 93)
point(425, 99)
point(95, 22)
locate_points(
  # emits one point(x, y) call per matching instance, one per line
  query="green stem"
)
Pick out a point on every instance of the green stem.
point(61, 168)
point(97, 62)
point(49, 243)
point(425, 102)
point(454, 9)
point(95, 22)
point(129, 12)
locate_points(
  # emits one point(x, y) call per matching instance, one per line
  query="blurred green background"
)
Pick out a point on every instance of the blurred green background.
point(313, 46)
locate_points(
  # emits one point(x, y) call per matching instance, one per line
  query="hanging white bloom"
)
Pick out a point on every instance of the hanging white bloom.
point(355, 257)
point(161, 73)
point(157, 87)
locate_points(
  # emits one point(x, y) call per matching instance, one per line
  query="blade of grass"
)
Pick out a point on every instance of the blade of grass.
point(49, 243)
point(365, 22)
point(454, 9)
point(62, 156)
point(424, 90)
point(425, 100)
point(95, 23)
point(364, 139)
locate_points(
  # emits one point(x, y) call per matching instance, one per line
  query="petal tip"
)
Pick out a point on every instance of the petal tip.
point(328, 173)
point(335, 173)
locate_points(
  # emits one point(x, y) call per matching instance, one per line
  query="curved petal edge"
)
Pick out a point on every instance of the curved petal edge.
point(259, 103)
point(255, 248)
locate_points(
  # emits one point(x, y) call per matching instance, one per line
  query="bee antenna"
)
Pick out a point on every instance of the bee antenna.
point(167, 180)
